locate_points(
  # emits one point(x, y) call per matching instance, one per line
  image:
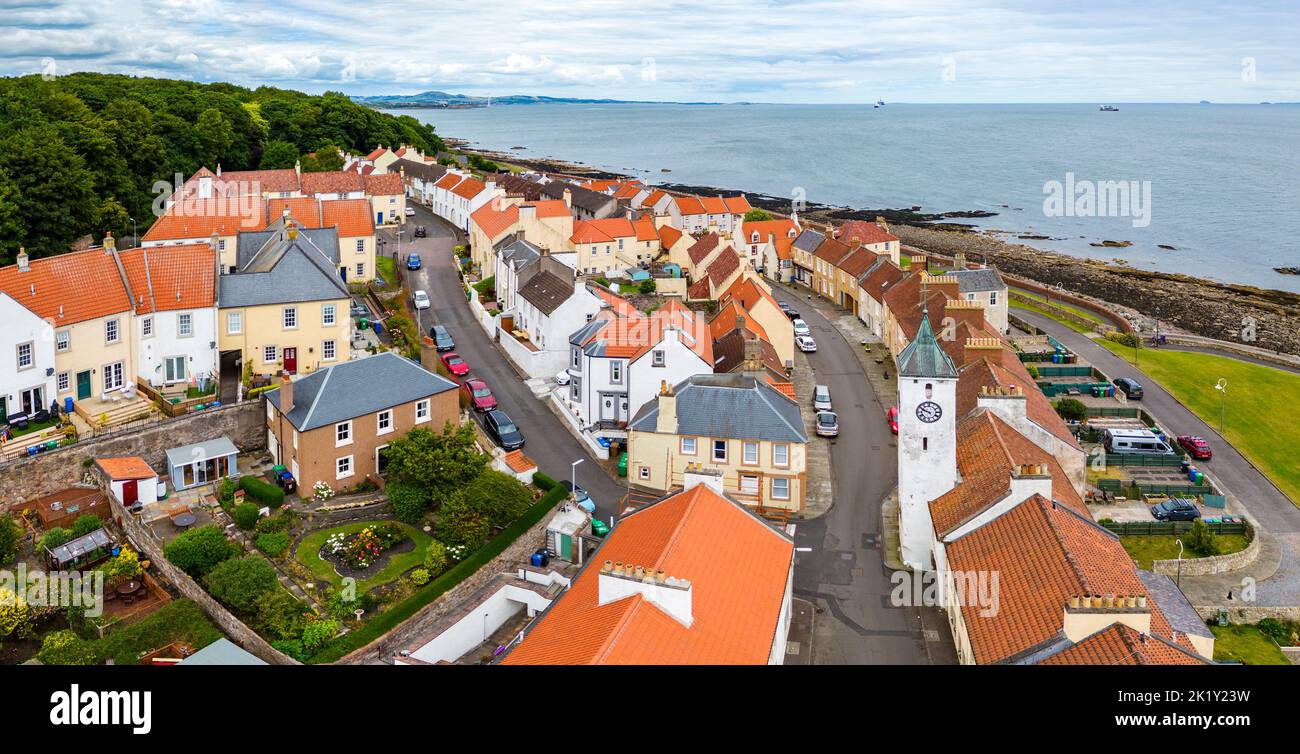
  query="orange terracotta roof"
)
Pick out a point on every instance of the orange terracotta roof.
point(781, 228)
point(631, 334)
point(249, 182)
point(627, 191)
point(352, 217)
point(868, 233)
point(552, 208)
point(1118, 644)
point(469, 188)
point(68, 288)
point(126, 467)
point(331, 182)
point(725, 321)
point(171, 278)
point(612, 228)
point(786, 388)
point(738, 567)
point(518, 462)
point(304, 209)
point(382, 184)
point(448, 181)
point(750, 293)
point(690, 205)
point(376, 154)
point(194, 219)
point(653, 199)
point(729, 205)
point(494, 218)
point(669, 236)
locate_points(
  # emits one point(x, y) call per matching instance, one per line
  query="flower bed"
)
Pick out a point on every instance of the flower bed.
point(360, 550)
point(401, 548)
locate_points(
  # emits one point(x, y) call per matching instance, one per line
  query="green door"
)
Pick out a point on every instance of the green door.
point(566, 547)
point(83, 385)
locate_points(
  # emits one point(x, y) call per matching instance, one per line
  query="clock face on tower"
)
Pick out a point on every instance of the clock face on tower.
point(929, 412)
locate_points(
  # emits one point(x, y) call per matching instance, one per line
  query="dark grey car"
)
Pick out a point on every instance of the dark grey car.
point(441, 338)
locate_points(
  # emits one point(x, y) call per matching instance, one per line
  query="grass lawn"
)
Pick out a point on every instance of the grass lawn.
point(1050, 315)
point(1257, 423)
point(387, 267)
point(35, 427)
point(308, 553)
point(1146, 548)
point(179, 620)
point(1246, 644)
point(1091, 316)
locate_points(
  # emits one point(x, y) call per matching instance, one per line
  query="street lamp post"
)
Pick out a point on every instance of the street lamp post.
point(1222, 387)
point(1179, 580)
point(573, 473)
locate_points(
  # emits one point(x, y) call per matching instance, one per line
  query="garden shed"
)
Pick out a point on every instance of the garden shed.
point(130, 479)
point(80, 551)
point(201, 463)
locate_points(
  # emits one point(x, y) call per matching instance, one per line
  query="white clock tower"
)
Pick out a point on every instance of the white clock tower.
point(927, 439)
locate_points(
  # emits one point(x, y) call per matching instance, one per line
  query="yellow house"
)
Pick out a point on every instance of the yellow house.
point(286, 309)
point(755, 297)
point(734, 426)
point(547, 224)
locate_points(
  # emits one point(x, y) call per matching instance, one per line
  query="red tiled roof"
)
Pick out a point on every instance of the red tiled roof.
point(68, 288)
point(469, 188)
point(126, 467)
point(781, 228)
point(376, 154)
point(725, 321)
point(689, 205)
point(1119, 644)
point(171, 278)
point(653, 199)
point(857, 262)
point(495, 219)
point(669, 236)
point(352, 217)
point(448, 181)
point(331, 182)
point(738, 567)
point(866, 232)
point(703, 247)
point(383, 184)
point(194, 219)
point(240, 182)
point(722, 267)
point(612, 228)
point(518, 462)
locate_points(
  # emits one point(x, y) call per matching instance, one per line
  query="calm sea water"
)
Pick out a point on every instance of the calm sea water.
point(1224, 179)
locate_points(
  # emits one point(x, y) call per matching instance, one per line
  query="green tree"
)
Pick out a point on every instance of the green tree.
point(1071, 409)
point(502, 497)
point(215, 136)
point(11, 536)
point(757, 215)
point(198, 551)
point(55, 190)
point(11, 224)
point(246, 515)
point(64, 647)
point(280, 615)
point(439, 463)
point(318, 633)
point(17, 619)
point(409, 501)
point(1201, 540)
point(325, 159)
point(435, 557)
point(279, 155)
point(85, 524)
point(461, 523)
point(55, 537)
point(240, 582)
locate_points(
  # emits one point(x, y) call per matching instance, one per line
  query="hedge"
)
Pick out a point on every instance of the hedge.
point(262, 491)
point(390, 619)
point(542, 481)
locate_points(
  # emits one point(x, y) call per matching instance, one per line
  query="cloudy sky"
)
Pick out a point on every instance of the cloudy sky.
point(722, 50)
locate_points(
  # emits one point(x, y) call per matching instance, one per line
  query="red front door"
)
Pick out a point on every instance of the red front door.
point(291, 361)
point(130, 493)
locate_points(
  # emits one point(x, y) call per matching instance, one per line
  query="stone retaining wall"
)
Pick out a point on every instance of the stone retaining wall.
point(1061, 312)
point(382, 649)
point(26, 478)
point(1250, 613)
point(1211, 565)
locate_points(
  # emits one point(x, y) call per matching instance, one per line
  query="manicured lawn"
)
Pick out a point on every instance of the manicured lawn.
point(1246, 644)
point(308, 553)
point(1146, 548)
point(387, 267)
point(1050, 315)
point(35, 427)
point(1258, 420)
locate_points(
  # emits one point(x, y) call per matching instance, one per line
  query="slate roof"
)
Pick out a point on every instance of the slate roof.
point(516, 251)
point(924, 358)
point(284, 271)
point(809, 240)
point(222, 652)
point(982, 279)
point(425, 171)
point(358, 388)
point(1173, 603)
point(728, 405)
point(546, 283)
point(596, 203)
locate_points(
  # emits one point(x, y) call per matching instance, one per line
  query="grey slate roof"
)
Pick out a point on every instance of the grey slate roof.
point(358, 388)
point(428, 172)
point(258, 248)
point(809, 240)
point(983, 279)
point(1173, 603)
point(546, 283)
point(516, 251)
point(299, 274)
point(923, 357)
point(597, 204)
point(223, 651)
point(733, 406)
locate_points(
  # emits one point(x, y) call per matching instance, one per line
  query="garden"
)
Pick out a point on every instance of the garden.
point(1258, 644)
point(371, 552)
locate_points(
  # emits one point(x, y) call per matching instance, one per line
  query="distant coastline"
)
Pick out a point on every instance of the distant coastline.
point(445, 100)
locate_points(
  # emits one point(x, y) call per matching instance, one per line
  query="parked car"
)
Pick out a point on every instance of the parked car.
point(562, 377)
point(806, 343)
point(1131, 388)
point(580, 496)
point(503, 430)
point(410, 211)
point(822, 398)
point(455, 364)
point(1134, 441)
point(480, 395)
point(828, 424)
point(1175, 509)
point(413, 262)
point(441, 338)
point(790, 311)
point(421, 231)
point(1196, 447)
point(421, 299)
point(801, 327)
point(892, 417)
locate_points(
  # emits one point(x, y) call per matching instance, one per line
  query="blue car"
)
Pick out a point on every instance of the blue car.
point(413, 262)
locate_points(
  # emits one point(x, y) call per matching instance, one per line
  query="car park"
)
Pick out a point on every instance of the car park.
point(892, 417)
point(1131, 388)
point(1196, 447)
point(480, 395)
point(828, 424)
point(822, 398)
point(801, 327)
point(806, 343)
point(1175, 509)
point(413, 262)
point(421, 299)
point(503, 430)
point(441, 338)
point(455, 364)
point(421, 231)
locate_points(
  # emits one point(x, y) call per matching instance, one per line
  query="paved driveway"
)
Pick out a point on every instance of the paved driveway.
point(548, 442)
point(843, 569)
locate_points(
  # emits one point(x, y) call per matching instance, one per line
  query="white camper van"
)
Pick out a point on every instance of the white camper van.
point(1135, 441)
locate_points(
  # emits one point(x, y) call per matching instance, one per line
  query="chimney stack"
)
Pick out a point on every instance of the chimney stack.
point(286, 394)
point(669, 594)
point(110, 244)
point(1085, 615)
point(568, 197)
point(667, 419)
point(23, 260)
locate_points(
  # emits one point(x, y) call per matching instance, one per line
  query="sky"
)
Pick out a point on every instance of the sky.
point(823, 51)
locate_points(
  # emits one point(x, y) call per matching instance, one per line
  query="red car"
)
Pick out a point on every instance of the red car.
point(1196, 447)
point(892, 416)
point(480, 395)
point(455, 364)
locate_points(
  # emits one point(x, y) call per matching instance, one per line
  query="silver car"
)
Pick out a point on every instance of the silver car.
point(822, 398)
point(828, 424)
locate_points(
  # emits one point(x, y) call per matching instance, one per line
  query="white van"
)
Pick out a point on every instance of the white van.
point(1126, 441)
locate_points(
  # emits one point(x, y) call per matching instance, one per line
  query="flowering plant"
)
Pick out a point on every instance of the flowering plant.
point(362, 549)
point(322, 491)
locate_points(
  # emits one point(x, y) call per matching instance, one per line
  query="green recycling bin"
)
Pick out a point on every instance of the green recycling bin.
point(622, 465)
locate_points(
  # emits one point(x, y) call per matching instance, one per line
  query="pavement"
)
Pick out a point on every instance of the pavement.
point(547, 442)
point(1264, 503)
point(839, 565)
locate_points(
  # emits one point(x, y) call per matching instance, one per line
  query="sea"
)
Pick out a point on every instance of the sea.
point(1219, 184)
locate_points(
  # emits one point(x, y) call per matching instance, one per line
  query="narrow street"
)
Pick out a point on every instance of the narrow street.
point(547, 441)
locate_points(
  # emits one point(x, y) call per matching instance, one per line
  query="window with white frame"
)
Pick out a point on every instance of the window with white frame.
point(780, 488)
point(26, 355)
point(234, 323)
point(328, 351)
point(113, 376)
point(658, 357)
point(64, 382)
point(111, 334)
point(361, 245)
point(344, 468)
point(327, 315)
point(780, 454)
point(290, 317)
point(720, 451)
point(146, 327)
point(750, 453)
point(385, 424)
point(343, 433)
point(688, 446)
point(185, 325)
point(62, 341)
point(268, 354)
point(422, 411)
point(616, 372)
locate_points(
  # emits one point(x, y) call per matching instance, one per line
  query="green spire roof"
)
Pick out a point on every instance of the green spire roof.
point(923, 357)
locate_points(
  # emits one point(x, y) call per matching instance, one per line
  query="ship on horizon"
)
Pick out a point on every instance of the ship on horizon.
point(1108, 109)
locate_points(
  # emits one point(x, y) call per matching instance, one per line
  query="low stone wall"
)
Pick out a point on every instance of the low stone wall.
point(427, 619)
point(1250, 613)
point(151, 548)
point(1211, 565)
point(28, 477)
point(1061, 313)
